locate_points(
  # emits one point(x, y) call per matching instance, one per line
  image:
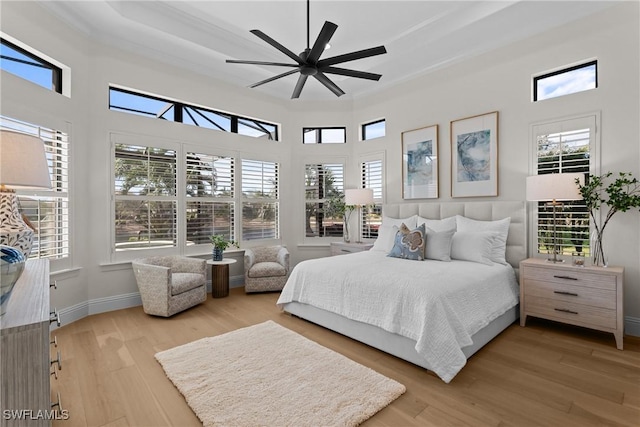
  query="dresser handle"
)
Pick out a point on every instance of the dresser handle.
point(55, 372)
point(564, 310)
point(566, 277)
point(345, 250)
point(54, 341)
point(566, 293)
point(54, 317)
point(54, 285)
point(58, 403)
point(58, 361)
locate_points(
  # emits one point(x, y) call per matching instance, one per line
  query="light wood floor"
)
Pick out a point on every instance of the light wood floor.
point(545, 374)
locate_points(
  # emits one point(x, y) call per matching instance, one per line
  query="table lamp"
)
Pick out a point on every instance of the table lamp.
point(358, 197)
point(554, 187)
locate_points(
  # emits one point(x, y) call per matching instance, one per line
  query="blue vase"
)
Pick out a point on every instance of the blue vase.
point(11, 266)
point(217, 254)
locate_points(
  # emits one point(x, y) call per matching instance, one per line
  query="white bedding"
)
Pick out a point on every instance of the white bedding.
point(438, 304)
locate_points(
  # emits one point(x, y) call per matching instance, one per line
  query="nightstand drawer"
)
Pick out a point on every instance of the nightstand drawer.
point(576, 294)
point(578, 314)
point(571, 276)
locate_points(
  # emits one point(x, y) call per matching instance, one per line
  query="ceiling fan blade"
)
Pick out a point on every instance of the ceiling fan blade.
point(298, 89)
point(351, 73)
point(360, 54)
point(270, 79)
point(323, 38)
point(277, 64)
point(328, 83)
point(278, 46)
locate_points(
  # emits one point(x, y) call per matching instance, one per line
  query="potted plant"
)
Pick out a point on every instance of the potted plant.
point(621, 194)
point(220, 244)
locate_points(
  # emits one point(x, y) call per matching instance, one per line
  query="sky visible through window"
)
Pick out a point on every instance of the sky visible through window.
point(25, 67)
point(573, 81)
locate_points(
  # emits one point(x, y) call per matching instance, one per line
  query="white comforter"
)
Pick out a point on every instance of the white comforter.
point(438, 304)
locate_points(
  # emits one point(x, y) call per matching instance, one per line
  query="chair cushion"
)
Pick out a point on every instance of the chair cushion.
point(183, 282)
point(267, 269)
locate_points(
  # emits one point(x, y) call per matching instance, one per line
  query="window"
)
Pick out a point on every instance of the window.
point(260, 200)
point(145, 197)
point(566, 81)
point(128, 101)
point(561, 147)
point(47, 210)
point(336, 135)
point(324, 196)
point(29, 66)
point(375, 129)
point(372, 178)
point(209, 197)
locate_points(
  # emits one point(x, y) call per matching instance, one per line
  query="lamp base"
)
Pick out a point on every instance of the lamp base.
point(11, 266)
point(555, 261)
point(14, 231)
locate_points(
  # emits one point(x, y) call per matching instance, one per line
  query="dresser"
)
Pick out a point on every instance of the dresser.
point(591, 297)
point(343, 248)
point(25, 364)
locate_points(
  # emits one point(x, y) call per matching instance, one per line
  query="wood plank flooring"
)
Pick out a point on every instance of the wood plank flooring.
point(546, 374)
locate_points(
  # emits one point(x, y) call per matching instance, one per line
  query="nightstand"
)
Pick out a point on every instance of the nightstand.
point(343, 248)
point(583, 296)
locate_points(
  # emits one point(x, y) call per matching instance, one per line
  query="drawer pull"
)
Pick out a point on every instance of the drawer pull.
point(54, 317)
point(55, 372)
point(345, 250)
point(566, 293)
point(566, 277)
point(564, 310)
point(58, 403)
point(54, 341)
point(57, 361)
point(54, 285)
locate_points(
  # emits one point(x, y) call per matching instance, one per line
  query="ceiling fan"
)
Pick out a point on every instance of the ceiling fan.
point(308, 63)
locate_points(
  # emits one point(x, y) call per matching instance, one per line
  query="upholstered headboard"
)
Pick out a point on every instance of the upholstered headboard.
point(483, 211)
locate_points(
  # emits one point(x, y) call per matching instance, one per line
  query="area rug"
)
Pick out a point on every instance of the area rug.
point(268, 375)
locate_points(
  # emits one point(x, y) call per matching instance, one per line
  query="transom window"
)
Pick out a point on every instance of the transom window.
point(324, 198)
point(326, 135)
point(374, 129)
point(568, 80)
point(29, 66)
point(132, 102)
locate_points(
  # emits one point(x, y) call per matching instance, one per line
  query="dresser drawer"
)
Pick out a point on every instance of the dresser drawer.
point(571, 276)
point(577, 314)
point(562, 292)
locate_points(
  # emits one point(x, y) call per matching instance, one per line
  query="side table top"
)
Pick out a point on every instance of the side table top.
point(223, 262)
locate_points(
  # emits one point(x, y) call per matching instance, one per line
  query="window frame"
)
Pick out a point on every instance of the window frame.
point(319, 132)
point(364, 126)
point(372, 216)
point(325, 161)
point(244, 199)
point(563, 70)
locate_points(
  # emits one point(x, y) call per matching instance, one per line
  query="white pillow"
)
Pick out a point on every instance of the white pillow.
point(501, 227)
point(439, 244)
point(410, 222)
point(439, 224)
point(386, 237)
point(475, 246)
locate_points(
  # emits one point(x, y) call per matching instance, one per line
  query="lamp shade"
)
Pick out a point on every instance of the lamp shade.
point(23, 162)
point(554, 186)
point(358, 196)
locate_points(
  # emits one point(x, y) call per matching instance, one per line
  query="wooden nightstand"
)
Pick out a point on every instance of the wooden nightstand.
point(582, 296)
point(342, 248)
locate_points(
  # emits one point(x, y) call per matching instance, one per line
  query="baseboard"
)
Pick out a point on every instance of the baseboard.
point(632, 326)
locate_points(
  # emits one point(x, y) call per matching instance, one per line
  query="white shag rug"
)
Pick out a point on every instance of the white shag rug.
point(267, 375)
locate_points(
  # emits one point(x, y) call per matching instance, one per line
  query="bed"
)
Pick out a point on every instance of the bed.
point(431, 313)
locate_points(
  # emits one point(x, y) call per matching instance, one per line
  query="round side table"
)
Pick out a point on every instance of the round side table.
point(220, 277)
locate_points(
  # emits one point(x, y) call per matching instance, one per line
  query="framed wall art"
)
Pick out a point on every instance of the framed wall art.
point(420, 163)
point(474, 156)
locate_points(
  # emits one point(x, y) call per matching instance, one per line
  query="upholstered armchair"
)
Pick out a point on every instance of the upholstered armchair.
point(170, 284)
point(265, 268)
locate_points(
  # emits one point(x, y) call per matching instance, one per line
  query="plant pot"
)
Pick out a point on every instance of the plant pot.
point(217, 254)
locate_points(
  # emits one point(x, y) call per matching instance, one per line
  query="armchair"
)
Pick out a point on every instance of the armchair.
point(170, 284)
point(265, 268)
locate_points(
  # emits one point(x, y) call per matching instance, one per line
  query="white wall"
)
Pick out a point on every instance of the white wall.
point(498, 80)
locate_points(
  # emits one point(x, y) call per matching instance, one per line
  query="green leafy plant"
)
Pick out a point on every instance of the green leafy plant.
point(620, 195)
point(221, 242)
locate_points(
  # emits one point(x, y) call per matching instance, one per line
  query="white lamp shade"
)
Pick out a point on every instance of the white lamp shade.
point(358, 196)
point(23, 162)
point(554, 186)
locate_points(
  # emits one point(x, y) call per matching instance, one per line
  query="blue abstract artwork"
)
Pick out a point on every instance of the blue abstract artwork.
point(474, 156)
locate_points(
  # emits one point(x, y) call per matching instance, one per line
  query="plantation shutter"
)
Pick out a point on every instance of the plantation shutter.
point(371, 177)
point(260, 200)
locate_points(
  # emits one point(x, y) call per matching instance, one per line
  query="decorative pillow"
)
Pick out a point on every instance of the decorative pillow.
point(438, 245)
point(386, 236)
point(501, 227)
point(411, 222)
point(439, 224)
point(475, 246)
point(409, 244)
